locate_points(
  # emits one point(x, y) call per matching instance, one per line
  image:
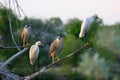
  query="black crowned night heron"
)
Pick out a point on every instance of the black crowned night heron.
point(86, 25)
point(26, 34)
point(34, 52)
point(55, 48)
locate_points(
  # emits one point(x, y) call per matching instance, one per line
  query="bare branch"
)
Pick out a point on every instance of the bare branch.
point(13, 57)
point(44, 69)
point(6, 75)
point(18, 7)
point(3, 5)
point(9, 47)
point(10, 25)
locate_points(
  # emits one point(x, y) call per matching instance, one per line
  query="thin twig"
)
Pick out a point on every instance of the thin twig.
point(10, 25)
point(44, 69)
point(18, 7)
point(13, 57)
point(2, 5)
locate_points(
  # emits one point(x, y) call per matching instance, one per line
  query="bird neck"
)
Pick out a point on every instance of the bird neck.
point(58, 41)
point(37, 44)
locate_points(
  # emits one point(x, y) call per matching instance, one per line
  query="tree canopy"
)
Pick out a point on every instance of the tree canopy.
point(102, 58)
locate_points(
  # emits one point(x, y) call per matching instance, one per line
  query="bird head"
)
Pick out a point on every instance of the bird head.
point(39, 43)
point(97, 18)
point(59, 37)
point(28, 26)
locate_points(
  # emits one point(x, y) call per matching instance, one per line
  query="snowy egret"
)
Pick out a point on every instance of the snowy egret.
point(25, 35)
point(55, 48)
point(34, 52)
point(86, 25)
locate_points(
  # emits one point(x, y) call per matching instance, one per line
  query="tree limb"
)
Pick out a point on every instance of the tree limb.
point(13, 57)
point(44, 69)
point(9, 47)
point(6, 75)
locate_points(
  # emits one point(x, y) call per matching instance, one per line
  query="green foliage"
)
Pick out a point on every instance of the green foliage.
point(99, 67)
point(76, 76)
point(4, 25)
point(98, 63)
point(71, 44)
point(73, 27)
point(46, 77)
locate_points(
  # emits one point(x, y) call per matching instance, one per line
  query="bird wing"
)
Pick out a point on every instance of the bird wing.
point(84, 27)
point(52, 47)
point(34, 51)
point(61, 46)
point(22, 34)
point(29, 34)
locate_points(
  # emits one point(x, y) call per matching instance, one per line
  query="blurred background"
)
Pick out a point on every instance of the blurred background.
point(101, 61)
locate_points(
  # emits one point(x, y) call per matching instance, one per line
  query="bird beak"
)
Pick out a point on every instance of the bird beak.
point(60, 37)
point(42, 45)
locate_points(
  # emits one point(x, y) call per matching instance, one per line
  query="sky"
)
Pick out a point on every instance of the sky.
point(108, 10)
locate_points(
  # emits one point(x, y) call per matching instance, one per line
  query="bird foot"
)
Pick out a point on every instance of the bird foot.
point(58, 59)
point(86, 44)
point(53, 62)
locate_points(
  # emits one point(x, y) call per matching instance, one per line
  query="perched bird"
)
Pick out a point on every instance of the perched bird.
point(55, 48)
point(26, 34)
point(86, 25)
point(34, 52)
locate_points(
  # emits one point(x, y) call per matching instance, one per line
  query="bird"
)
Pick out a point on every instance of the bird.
point(26, 34)
point(86, 25)
point(55, 48)
point(34, 52)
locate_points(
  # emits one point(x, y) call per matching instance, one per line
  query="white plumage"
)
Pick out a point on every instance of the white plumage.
point(34, 52)
point(86, 25)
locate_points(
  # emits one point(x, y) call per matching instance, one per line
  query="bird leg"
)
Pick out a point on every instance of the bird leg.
point(24, 45)
point(85, 39)
point(58, 58)
point(27, 45)
point(33, 69)
point(53, 59)
point(33, 66)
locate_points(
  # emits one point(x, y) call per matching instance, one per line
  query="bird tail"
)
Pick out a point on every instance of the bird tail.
point(31, 62)
point(81, 35)
point(50, 56)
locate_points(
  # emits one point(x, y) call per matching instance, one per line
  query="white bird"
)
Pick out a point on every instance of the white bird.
point(86, 25)
point(25, 35)
point(34, 52)
point(55, 48)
